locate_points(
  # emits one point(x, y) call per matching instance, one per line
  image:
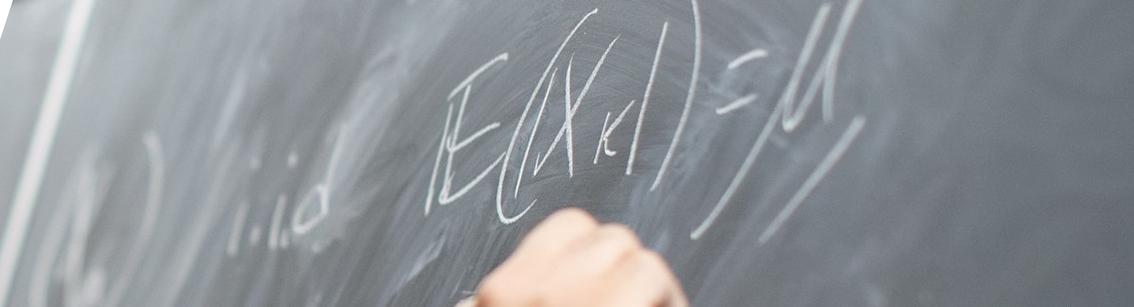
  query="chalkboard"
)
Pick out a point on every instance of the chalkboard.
point(391, 153)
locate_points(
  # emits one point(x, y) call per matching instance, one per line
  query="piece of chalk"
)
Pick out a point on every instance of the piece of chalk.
point(467, 302)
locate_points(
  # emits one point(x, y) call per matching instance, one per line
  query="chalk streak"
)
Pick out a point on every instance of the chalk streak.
point(514, 218)
point(446, 198)
point(535, 128)
point(516, 132)
point(646, 99)
point(499, 58)
point(254, 235)
point(453, 145)
point(89, 205)
point(237, 230)
point(292, 159)
point(688, 98)
point(568, 118)
point(826, 73)
point(736, 104)
point(845, 21)
point(791, 117)
point(813, 180)
point(460, 117)
point(745, 167)
point(277, 218)
point(50, 244)
point(156, 159)
point(594, 73)
point(4, 9)
point(228, 111)
point(607, 131)
point(571, 110)
point(474, 136)
point(42, 140)
point(602, 138)
point(559, 135)
point(336, 154)
point(191, 242)
point(437, 161)
point(300, 226)
point(604, 134)
point(746, 57)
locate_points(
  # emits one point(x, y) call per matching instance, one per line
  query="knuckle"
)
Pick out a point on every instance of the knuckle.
point(623, 236)
point(495, 290)
point(572, 215)
point(651, 259)
point(539, 299)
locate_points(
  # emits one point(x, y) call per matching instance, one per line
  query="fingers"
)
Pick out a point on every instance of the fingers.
point(600, 251)
point(644, 280)
point(548, 240)
point(555, 235)
point(523, 277)
point(570, 260)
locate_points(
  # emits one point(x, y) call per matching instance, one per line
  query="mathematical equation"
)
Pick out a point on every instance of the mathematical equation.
point(789, 112)
point(806, 89)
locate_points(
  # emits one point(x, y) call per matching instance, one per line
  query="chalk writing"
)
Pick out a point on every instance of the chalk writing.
point(646, 99)
point(786, 103)
point(737, 104)
point(604, 134)
point(788, 114)
point(516, 133)
point(757, 53)
point(688, 98)
point(820, 172)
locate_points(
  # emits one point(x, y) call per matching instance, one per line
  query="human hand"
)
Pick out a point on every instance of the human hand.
point(569, 260)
